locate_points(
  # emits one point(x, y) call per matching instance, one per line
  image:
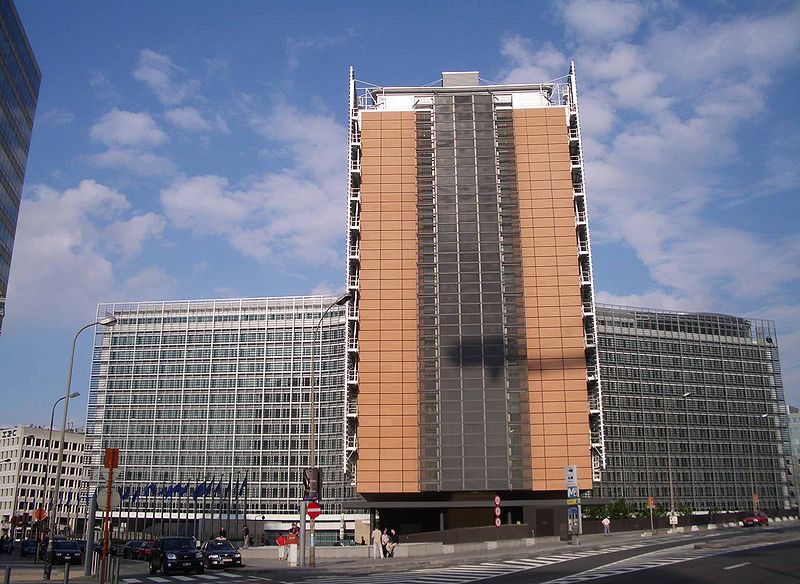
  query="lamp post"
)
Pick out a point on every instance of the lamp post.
point(753, 494)
point(669, 463)
point(109, 320)
point(312, 450)
point(47, 464)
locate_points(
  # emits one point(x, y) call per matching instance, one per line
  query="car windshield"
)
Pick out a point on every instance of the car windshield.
point(219, 545)
point(66, 546)
point(178, 544)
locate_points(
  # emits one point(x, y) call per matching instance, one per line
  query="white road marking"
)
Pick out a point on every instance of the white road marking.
point(131, 580)
point(157, 579)
point(733, 567)
point(229, 575)
point(207, 577)
point(184, 578)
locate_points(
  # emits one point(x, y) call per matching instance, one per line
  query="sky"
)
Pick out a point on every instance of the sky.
point(197, 149)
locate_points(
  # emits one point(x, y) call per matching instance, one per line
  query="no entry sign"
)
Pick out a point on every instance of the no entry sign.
point(313, 509)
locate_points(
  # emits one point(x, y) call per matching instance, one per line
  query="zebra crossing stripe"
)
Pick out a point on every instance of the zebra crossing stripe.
point(157, 579)
point(131, 580)
point(207, 577)
point(230, 575)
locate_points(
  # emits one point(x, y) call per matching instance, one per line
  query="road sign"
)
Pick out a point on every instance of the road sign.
point(102, 494)
point(572, 501)
point(651, 503)
point(572, 510)
point(571, 475)
point(313, 509)
point(497, 511)
point(111, 458)
point(39, 514)
point(572, 492)
point(497, 500)
point(498, 522)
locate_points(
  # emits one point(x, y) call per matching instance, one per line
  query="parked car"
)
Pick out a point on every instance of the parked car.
point(221, 553)
point(143, 553)
point(176, 553)
point(129, 550)
point(755, 519)
point(66, 551)
point(27, 548)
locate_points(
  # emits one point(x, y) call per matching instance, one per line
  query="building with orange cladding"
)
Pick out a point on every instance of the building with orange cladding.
point(472, 365)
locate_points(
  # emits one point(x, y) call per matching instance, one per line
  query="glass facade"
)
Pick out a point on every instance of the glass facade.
point(472, 366)
point(19, 89)
point(218, 390)
point(700, 392)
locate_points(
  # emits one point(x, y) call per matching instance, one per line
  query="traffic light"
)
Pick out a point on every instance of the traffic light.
point(312, 484)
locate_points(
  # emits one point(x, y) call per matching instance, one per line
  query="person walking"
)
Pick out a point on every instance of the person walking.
point(385, 542)
point(376, 543)
point(606, 526)
point(246, 537)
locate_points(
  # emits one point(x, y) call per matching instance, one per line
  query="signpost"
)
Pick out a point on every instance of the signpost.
point(498, 520)
point(651, 505)
point(574, 521)
point(110, 461)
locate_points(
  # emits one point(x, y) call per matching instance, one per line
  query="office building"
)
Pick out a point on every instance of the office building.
point(700, 393)
point(472, 348)
point(20, 78)
point(24, 454)
point(794, 439)
point(216, 392)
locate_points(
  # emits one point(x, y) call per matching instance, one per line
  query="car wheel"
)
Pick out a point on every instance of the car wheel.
point(164, 570)
point(201, 569)
point(152, 568)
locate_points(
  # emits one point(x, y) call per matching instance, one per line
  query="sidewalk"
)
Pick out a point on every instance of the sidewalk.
point(279, 568)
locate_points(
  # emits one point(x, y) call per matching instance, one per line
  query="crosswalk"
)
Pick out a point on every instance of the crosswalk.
point(197, 578)
point(656, 559)
point(467, 573)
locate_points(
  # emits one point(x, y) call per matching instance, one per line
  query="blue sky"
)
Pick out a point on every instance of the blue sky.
point(197, 150)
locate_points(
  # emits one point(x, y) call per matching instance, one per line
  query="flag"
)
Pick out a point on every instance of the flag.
point(125, 493)
point(135, 494)
point(200, 490)
point(243, 487)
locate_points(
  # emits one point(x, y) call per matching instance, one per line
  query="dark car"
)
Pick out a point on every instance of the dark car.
point(27, 548)
point(130, 549)
point(143, 553)
point(755, 519)
point(176, 554)
point(66, 551)
point(221, 553)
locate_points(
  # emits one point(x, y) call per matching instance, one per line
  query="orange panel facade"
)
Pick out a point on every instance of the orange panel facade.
point(388, 394)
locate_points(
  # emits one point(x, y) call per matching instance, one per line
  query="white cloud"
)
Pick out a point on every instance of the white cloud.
point(188, 118)
point(164, 78)
point(129, 235)
point(292, 214)
point(57, 116)
point(204, 203)
point(61, 248)
point(603, 20)
point(124, 128)
point(529, 65)
point(148, 284)
point(134, 160)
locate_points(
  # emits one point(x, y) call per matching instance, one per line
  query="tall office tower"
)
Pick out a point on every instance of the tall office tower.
point(693, 405)
point(472, 350)
point(216, 392)
point(20, 76)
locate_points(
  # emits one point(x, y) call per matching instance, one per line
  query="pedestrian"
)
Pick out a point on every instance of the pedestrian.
point(606, 526)
point(281, 541)
point(376, 543)
point(263, 540)
point(221, 534)
point(246, 537)
point(390, 547)
point(385, 542)
point(295, 530)
point(362, 541)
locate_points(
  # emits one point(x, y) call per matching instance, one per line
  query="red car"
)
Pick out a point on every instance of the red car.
point(755, 519)
point(143, 551)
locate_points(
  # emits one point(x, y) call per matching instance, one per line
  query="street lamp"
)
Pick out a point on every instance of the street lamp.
point(689, 443)
point(109, 320)
point(47, 464)
point(753, 494)
point(341, 301)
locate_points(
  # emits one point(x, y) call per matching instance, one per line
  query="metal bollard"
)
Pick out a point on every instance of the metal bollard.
point(116, 571)
point(7, 575)
point(66, 573)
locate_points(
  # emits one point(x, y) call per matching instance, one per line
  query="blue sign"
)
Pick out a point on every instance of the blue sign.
point(572, 492)
point(572, 510)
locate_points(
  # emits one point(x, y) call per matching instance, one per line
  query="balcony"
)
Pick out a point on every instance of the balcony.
point(352, 377)
point(583, 247)
point(352, 281)
point(594, 405)
point(355, 194)
point(588, 308)
point(355, 223)
point(352, 409)
point(351, 443)
point(580, 217)
point(355, 166)
point(575, 160)
point(352, 345)
point(352, 311)
point(586, 278)
point(573, 134)
point(577, 188)
point(352, 251)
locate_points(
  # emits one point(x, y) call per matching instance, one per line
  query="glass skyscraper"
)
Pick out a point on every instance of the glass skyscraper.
point(701, 393)
point(19, 86)
point(218, 390)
